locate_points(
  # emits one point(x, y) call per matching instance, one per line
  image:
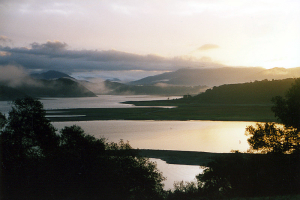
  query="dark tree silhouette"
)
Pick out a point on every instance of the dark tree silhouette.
point(38, 163)
point(275, 173)
point(269, 138)
point(287, 109)
point(28, 131)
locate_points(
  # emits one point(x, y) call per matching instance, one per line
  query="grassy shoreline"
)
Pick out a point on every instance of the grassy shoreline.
point(213, 112)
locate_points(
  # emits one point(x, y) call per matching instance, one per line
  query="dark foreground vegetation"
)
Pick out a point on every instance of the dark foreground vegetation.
point(274, 173)
point(38, 163)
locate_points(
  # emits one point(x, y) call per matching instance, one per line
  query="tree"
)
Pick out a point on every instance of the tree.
point(270, 138)
point(38, 163)
point(287, 109)
point(27, 131)
point(257, 174)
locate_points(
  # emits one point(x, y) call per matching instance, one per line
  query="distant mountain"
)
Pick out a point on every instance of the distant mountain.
point(61, 87)
point(278, 73)
point(218, 76)
point(115, 88)
point(51, 74)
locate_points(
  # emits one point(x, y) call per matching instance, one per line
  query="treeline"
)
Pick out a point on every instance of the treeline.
point(245, 93)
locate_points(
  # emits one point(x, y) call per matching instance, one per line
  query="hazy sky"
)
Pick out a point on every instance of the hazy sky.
point(231, 32)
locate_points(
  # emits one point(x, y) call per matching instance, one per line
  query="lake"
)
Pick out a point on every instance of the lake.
point(208, 136)
point(101, 101)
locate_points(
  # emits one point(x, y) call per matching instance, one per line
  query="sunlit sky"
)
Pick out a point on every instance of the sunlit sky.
point(230, 32)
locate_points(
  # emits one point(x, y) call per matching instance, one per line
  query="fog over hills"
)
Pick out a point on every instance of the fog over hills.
point(15, 83)
point(218, 76)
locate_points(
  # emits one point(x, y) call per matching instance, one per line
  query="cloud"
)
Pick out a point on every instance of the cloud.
point(54, 55)
point(4, 40)
point(206, 59)
point(207, 47)
point(53, 46)
point(13, 76)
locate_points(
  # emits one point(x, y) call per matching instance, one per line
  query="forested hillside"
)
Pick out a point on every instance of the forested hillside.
point(246, 93)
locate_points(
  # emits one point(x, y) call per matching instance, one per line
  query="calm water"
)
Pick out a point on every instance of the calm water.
point(175, 173)
point(101, 101)
point(209, 136)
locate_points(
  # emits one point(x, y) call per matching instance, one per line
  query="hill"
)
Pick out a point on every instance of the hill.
point(62, 87)
point(157, 89)
point(8, 93)
point(51, 74)
point(116, 88)
point(257, 92)
point(218, 76)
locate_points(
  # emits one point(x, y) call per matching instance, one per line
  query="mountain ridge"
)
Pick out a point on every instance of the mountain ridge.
point(51, 74)
point(218, 76)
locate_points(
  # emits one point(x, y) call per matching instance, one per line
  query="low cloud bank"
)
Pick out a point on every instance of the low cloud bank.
point(14, 76)
point(55, 56)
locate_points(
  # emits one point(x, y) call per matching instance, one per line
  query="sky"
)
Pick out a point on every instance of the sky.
point(130, 39)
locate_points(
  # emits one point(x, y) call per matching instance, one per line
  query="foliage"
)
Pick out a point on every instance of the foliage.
point(224, 175)
point(287, 109)
point(27, 132)
point(268, 138)
point(38, 163)
point(275, 173)
point(249, 175)
point(185, 190)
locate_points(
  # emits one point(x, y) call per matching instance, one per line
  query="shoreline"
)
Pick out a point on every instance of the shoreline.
point(212, 112)
point(195, 158)
point(199, 158)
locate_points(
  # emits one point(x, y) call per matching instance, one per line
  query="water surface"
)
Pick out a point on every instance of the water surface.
point(208, 136)
point(101, 101)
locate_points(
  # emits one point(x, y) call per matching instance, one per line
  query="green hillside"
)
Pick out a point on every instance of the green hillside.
point(258, 92)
